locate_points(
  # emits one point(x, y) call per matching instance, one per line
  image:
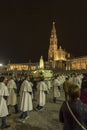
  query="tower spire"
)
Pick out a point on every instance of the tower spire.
point(53, 32)
point(53, 49)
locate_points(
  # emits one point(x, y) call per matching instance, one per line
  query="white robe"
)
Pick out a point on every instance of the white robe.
point(3, 105)
point(41, 88)
point(25, 96)
point(56, 92)
point(12, 99)
point(49, 85)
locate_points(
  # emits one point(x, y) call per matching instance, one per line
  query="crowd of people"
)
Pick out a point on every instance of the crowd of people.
point(20, 92)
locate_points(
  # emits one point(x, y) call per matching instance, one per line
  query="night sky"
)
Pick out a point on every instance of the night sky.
point(25, 28)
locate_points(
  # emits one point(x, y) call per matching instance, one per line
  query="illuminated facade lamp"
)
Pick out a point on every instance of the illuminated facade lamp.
point(1, 64)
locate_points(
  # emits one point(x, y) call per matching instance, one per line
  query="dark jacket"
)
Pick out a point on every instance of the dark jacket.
point(80, 111)
point(83, 96)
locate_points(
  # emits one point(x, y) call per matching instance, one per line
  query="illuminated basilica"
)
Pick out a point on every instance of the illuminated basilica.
point(56, 55)
point(57, 58)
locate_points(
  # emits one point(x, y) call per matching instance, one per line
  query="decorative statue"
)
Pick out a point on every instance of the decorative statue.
point(41, 63)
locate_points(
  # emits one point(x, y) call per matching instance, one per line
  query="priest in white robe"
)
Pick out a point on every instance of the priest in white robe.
point(26, 98)
point(3, 106)
point(42, 90)
point(12, 99)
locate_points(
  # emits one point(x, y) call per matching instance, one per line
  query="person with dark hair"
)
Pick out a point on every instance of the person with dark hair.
point(3, 106)
point(73, 113)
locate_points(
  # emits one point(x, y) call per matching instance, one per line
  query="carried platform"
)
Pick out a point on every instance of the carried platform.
point(37, 74)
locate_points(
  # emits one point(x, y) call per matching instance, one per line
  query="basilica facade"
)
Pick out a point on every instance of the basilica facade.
point(55, 52)
point(57, 56)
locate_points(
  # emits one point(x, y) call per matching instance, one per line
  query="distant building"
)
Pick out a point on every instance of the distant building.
point(57, 56)
point(22, 66)
point(79, 63)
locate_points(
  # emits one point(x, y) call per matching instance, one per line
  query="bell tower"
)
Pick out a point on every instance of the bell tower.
point(53, 48)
